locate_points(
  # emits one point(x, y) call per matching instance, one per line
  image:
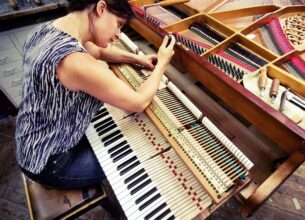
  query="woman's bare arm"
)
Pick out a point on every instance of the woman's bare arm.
point(82, 72)
point(116, 55)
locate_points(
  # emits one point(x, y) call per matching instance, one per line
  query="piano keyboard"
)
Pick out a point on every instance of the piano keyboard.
point(148, 177)
point(180, 176)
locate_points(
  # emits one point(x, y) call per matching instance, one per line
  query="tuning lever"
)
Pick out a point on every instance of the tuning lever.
point(283, 100)
point(170, 37)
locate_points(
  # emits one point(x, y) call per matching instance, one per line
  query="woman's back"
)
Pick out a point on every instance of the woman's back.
point(51, 119)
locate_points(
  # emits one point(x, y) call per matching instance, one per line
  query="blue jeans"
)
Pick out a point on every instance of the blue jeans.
point(76, 168)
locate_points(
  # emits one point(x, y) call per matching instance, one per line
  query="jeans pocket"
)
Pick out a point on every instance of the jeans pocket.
point(59, 163)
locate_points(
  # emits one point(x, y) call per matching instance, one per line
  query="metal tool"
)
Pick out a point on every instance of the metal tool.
point(283, 100)
point(296, 100)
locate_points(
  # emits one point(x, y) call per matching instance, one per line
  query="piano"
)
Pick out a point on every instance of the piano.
point(170, 162)
point(222, 46)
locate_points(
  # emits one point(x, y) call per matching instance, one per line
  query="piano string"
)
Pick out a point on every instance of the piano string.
point(235, 61)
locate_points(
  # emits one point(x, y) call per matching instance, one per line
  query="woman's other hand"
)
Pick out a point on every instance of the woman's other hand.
point(147, 61)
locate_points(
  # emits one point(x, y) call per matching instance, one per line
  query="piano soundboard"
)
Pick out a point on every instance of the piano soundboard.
point(168, 162)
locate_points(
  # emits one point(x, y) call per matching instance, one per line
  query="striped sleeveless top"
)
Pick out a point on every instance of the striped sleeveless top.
point(51, 119)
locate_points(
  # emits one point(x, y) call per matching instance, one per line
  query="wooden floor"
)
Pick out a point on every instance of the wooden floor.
point(288, 202)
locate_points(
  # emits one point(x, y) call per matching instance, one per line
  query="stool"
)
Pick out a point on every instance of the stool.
point(48, 203)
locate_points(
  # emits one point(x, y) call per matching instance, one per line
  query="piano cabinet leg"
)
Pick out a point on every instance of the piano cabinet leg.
point(265, 190)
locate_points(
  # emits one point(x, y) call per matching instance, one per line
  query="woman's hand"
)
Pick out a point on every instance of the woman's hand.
point(147, 61)
point(166, 50)
point(165, 54)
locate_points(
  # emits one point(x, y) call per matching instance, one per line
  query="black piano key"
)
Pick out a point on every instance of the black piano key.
point(117, 146)
point(147, 203)
point(137, 181)
point(109, 128)
point(100, 116)
point(109, 136)
point(116, 159)
point(102, 124)
point(124, 164)
point(140, 199)
point(140, 186)
point(163, 214)
point(130, 178)
point(96, 117)
point(121, 150)
point(100, 111)
point(171, 218)
point(112, 140)
point(129, 168)
point(155, 211)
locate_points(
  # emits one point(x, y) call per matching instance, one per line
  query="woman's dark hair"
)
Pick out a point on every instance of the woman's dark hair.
point(120, 8)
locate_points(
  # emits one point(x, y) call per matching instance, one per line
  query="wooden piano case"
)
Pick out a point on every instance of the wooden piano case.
point(288, 151)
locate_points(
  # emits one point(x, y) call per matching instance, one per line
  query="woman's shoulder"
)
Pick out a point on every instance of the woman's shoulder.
point(47, 34)
point(46, 38)
point(40, 31)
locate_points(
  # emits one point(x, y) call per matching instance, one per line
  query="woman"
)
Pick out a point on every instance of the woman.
point(65, 83)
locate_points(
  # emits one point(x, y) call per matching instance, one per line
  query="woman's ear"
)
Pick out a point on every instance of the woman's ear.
point(100, 7)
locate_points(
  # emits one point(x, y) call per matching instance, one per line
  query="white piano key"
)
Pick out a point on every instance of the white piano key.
point(148, 209)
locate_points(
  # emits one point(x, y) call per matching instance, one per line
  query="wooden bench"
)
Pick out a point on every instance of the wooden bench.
point(48, 203)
